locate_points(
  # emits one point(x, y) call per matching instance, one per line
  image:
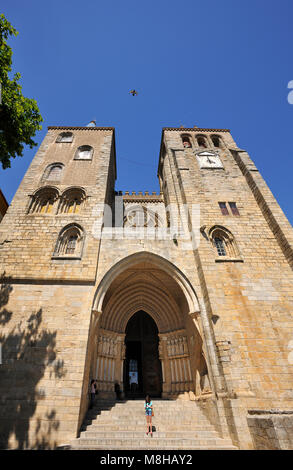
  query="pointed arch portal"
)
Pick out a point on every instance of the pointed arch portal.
point(145, 311)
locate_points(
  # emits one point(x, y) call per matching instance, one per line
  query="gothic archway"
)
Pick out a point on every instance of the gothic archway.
point(151, 284)
point(156, 260)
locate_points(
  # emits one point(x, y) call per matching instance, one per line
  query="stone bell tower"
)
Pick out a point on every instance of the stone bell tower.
point(244, 262)
point(48, 266)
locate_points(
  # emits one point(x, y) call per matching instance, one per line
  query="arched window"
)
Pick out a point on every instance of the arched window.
point(65, 137)
point(85, 152)
point(201, 141)
point(186, 141)
point(224, 243)
point(53, 172)
point(71, 201)
point(43, 201)
point(217, 142)
point(70, 242)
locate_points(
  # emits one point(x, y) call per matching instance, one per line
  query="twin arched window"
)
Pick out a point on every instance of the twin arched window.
point(44, 199)
point(224, 243)
point(70, 242)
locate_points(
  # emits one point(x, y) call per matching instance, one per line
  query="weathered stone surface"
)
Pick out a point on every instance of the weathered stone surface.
point(225, 324)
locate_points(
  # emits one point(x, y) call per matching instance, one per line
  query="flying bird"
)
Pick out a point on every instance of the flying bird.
point(133, 92)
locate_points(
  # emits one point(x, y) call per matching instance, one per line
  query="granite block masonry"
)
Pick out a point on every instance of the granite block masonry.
point(190, 289)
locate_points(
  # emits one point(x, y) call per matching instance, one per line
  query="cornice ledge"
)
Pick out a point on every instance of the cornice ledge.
point(194, 129)
point(83, 128)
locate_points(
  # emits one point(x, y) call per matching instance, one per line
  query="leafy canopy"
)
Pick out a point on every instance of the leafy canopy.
point(19, 116)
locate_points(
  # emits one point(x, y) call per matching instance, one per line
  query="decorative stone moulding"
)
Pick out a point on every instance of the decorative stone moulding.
point(177, 346)
point(83, 128)
point(197, 129)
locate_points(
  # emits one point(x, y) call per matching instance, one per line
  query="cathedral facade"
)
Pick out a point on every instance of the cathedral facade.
point(185, 294)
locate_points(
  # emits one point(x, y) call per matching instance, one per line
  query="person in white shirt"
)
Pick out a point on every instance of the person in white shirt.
point(133, 382)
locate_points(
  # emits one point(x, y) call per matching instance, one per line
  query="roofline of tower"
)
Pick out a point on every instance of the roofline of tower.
point(195, 129)
point(184, 129)
point(83, 127)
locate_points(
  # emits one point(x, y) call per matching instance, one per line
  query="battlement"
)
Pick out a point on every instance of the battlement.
point(140, 195)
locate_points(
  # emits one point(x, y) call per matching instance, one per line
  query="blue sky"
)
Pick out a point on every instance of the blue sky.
point(207, 63)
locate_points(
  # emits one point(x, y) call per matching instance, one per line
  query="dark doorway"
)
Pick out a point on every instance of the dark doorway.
point(142, 368)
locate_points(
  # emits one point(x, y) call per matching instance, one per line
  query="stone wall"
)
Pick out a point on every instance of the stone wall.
point(44, 333)
point(239, 319)
point(271, 429)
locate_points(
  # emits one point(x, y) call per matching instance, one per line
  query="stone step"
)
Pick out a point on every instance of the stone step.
point(138, 423)
point(159, 416)
point(122, 447)
point(155, 420)
point(135, 405)
point(169, 411)
point(141, 434)
point(141, 412)
point(109, 427)
point(165, 405)
point(142, 422)
point(157, 409)
point(135, 409)
point(122, 425)
point(149, 442)
point(140, 415)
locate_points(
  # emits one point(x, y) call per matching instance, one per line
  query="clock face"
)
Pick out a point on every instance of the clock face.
point(209, 160)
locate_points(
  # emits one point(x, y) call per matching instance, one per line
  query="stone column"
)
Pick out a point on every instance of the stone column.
point(120, 357)
point(166, 369)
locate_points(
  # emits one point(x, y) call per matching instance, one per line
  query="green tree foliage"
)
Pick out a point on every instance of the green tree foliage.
point(19, 116)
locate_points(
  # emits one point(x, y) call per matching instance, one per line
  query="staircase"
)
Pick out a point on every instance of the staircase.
point(120, 425)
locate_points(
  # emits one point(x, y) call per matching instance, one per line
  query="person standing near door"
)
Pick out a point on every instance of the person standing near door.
point(133, 381)
point(92, 393)
point(148, 406)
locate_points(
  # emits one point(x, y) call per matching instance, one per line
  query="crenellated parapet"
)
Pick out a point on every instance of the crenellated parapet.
point(140, 196)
